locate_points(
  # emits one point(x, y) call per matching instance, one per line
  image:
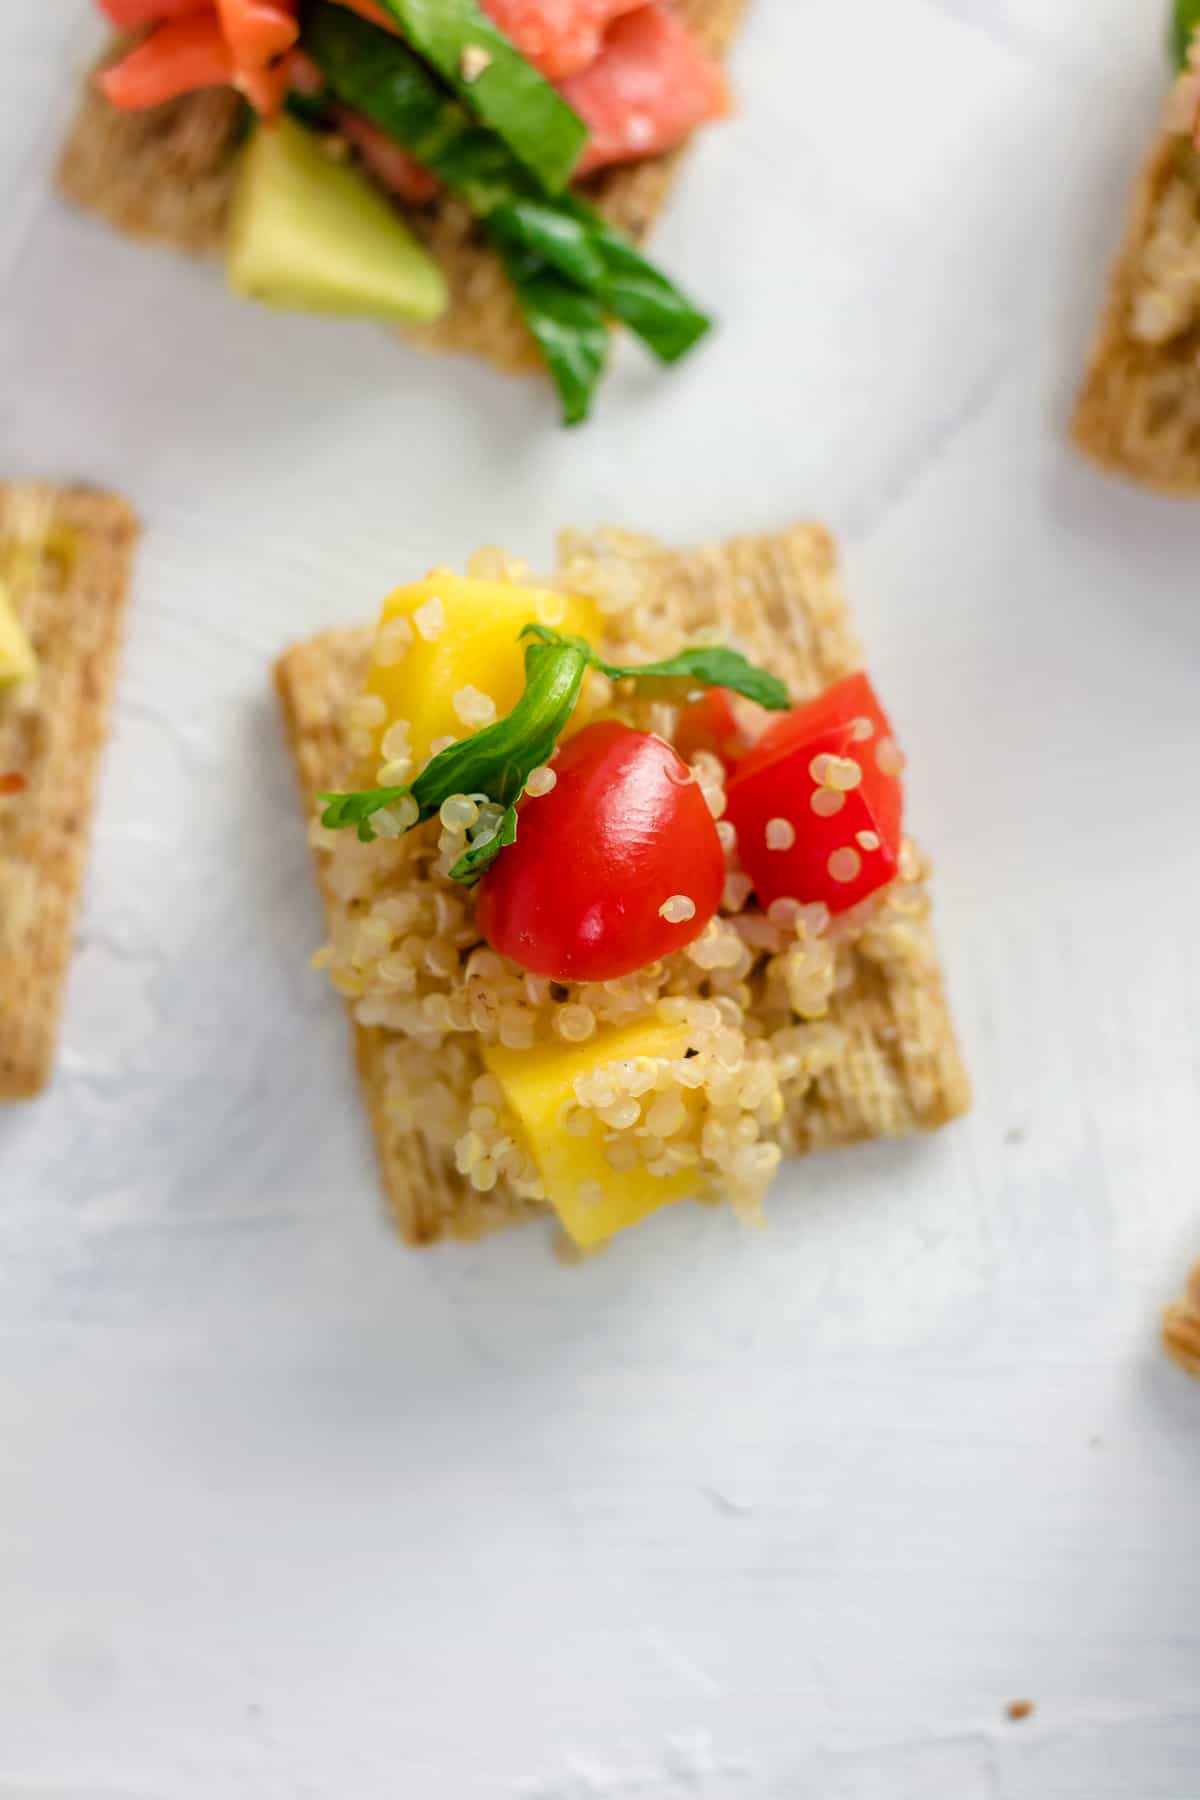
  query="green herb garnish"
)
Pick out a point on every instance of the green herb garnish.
point(1185, 20)
point(570, 237)
point(498, 84)
point(568, 325)
point(499, 760)
point(705, 666)
point(557, 251)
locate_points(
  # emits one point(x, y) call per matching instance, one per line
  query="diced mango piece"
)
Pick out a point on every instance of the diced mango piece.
point(592, 1199)
point(17, 659)
point(465, 634)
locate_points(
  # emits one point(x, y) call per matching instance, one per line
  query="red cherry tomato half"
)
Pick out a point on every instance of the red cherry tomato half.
point(710, 723)
point(624, 831)
point(818, 803)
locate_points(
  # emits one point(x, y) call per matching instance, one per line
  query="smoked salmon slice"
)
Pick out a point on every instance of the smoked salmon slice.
point(129, 14)
point(631, 69)
point(649, 88)
point(392, 167)
point(257, 31)
point(560, 37)
point(177, 58)
point(243, 42)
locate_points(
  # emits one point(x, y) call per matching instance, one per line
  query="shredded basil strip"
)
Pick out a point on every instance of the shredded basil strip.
point(705, 665)
point(568, 325)
point(496, 761)
point(507, 93)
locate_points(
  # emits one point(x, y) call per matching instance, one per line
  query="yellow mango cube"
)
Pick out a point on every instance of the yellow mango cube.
point(17, 659)
point(464, 634)
point(592, 1199)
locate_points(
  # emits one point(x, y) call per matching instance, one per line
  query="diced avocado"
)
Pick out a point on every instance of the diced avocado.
point(592, 1199)
point(312, 234)
point(472, 639)
point(17, 659)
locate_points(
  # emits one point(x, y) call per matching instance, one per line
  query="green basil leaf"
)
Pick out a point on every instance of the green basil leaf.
point(705, 665)
point(573, 239)
point(509, 94)
point(342, 810)
point(496, 761)
point(641, 296)
point(499, 760)
point(568, 325)
point(475, 863)
point(709, 665)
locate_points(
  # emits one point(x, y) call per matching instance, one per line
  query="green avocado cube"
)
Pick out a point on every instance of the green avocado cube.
point(311, 233)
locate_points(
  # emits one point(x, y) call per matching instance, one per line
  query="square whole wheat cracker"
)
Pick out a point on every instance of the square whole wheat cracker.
point(168, 175)
point(66, 554)
point(779, 598)
point(1138, 413)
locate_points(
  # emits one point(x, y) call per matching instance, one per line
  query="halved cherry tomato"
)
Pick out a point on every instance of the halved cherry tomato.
point(710, 723)
point(177, 58)
point(818, 804)
point(624, 833)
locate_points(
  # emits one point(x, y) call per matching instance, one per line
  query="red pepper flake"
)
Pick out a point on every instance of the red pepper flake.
point(13, 784)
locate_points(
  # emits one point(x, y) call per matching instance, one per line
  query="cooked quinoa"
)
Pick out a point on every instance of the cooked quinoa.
point(753, 991)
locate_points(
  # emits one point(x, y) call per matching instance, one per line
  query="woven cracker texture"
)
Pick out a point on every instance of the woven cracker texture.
point(1138, 414)
point(66, 552)
point(779, 597)
point(168, 175)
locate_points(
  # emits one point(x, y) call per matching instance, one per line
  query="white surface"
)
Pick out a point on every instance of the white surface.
point(288, 1511)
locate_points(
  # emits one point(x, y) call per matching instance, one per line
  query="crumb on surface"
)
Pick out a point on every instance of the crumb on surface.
point(1019, 1709)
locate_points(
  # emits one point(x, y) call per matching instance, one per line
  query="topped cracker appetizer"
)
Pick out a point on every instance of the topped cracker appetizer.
point(481, 174)
point(618, 884)
point(1139, 411)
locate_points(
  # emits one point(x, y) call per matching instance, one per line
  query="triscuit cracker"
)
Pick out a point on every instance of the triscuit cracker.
point(168, 175)
point(1138, 414)
point(780, 599)
point(66, 553)
point(1181, 1328)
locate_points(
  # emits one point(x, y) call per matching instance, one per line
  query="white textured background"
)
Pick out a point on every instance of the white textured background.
point(288, 1511)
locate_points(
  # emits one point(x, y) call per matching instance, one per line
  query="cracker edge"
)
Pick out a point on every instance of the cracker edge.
point(63, 778)
point(112, 163)
point(902, 1071)
point(1126, 382)
point(1181, 1328)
